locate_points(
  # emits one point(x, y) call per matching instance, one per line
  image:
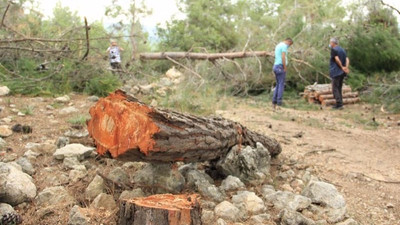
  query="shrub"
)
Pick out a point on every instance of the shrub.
point(102, 85)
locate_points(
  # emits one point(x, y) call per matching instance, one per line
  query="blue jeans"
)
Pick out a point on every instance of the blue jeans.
point(280, 76)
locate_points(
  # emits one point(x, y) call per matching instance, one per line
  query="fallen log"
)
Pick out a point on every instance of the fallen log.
point(161, 210)
point(130, 130)
point(202, 56)
point(344, 95)
point(345, 101)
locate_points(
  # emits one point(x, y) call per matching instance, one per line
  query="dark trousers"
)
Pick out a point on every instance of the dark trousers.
point(337, 84)
point(280, 76)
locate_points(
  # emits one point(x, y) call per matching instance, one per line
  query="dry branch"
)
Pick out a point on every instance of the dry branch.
point(202, 56)
point(130, 130)
point(87, 40)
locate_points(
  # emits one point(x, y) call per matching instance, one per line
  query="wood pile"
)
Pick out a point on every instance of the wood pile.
point(322, 94)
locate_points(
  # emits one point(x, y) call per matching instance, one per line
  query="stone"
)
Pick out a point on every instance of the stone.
point(96, 187)
point(71, 162)
point(77, 174)
point(63, 99)
point(165, 82)
point(136, 193)
point(54, 196)
point(31, 154)
point(324, 194)
point(26, 165)
point(93, 98)
point(251, 202)
point(194, 176)
point(6, 208)
point(15, 186)
point(42, 148)
point(267, 190)
point(227, 211)
point(62, 141)
point(3, 143)
point(288, 200)
point(104, 201)
point(73, 150)
point(210, 191)
point(4, 90)
point(207, 217)
point(231, 183)
point(161, 177)
point(9, 157)
point(68, 110)
point(289, 217)
point(260, 219)
point(118, 175)
point(249, 164)
point(76, 217)
point(5, 131)
point(76, 133)
point(7, 119)
point(348, 222)
point(221, 222)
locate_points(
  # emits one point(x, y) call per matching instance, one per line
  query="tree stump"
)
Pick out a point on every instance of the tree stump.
point(132, 131)
point(164, 209)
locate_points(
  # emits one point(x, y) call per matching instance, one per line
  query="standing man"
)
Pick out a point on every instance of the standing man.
point(114, 52)
point(280, 68)
point(338, 69)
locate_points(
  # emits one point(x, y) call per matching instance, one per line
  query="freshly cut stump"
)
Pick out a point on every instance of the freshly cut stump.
point(132, 131)
point(164, 209)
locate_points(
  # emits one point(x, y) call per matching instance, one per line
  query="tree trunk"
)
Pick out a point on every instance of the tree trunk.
point(161, 210)
point(345, 101)
point(345, 95)
point(130, 130)
point(202, 56)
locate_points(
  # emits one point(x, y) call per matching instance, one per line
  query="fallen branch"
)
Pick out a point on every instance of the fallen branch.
point(380, 180)
point(320, 151)
point(392, 7)
point(202, 56)
point(4, 15)
point(32, 49)
point(87, 41)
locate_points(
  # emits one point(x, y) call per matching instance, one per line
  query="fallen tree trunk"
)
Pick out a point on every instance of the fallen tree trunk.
point(202, 56)
point(130, 130)
point(161, 210)
point(345, 101)
point(344, 95)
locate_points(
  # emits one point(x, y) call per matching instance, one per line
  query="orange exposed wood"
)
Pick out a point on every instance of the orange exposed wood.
point(345, 95)
point(345, 101)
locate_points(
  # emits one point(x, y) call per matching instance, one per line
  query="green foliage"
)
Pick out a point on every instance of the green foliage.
point(102, 85)
point(78, 120)
point(28, 110)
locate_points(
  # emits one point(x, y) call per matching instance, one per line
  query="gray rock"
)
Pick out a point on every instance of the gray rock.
point(104, 201)
point(76, 174)
point(15, 186)
point(71, 162)
point(26, 165)
point(249, 164)
point(95, 187)
point(207, 217)
point(54, 196)
point(6, 208)
point(93, 98)
point(210, 191)
point(62, 141)
point(9, 157)
point(63, 99)
point(76, 217)
point(227, 210)
point(119, 175)
point(251, 202)
point(288, 200)
point(267, 190)
point(194, 176)
point(328, 213)
point(231, 183)
point(324, 194)
point(3, 143)
point(160, 176)
point(73, 150)
point(289, 217)
point(41, 148)
point(4, 90)
point(136, 193)
point(260, 219)
point(5, 131)
point(76, 133)
point(68, 110)
point(221, 222)
point(184, 169)
point(31, 154)
point(348, 222)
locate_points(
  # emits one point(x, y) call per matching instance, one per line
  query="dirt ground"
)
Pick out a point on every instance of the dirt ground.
point(355, 149)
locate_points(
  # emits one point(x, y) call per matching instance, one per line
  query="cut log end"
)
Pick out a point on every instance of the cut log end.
point(165, 209)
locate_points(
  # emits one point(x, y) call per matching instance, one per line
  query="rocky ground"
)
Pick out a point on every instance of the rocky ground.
point(331, 171)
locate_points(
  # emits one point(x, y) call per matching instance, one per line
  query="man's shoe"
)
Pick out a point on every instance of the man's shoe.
point(337, 107)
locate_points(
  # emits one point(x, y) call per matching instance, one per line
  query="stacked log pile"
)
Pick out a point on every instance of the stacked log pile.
point(322, 94)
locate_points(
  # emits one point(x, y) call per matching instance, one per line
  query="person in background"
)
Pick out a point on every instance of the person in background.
point(280, 68)
point(338, 69)
point(114, 52)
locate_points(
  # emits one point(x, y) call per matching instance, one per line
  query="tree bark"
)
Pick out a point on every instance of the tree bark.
point(161, 210)
point(345, 95)
point(345, 101)
point(202, 56)
point(130, 130)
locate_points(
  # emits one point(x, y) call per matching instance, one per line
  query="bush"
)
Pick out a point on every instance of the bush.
point(102, 85)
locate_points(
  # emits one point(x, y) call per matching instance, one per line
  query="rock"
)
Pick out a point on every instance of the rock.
point(77, 174)
point(165, 82)
point(194, 176)
point(3, 143)
point(289, 217)
point(54, 196)
point(348, 222)
point(76, 217)
point(96, 187)
point(43, 148)
point(252, 203)
point(118, 175)
point(71, 162)
point(154, 103)
point(210, 191)
point(231, 183)
point(9, 157)
point(26, 165)
point(7, 119)
point(207, 217)
point(184, 169)
point(5, 208)
point(68, 110)
point(4, 90)
point(389, 206)
point(227, 210)
point(76, 133)
point(104, 201)
point(136, 193)
point(134, 165)
point(93, 98)
point(5, 131)
point(15, 186)
point(267, 190)
point(324, 194)
point(161, 177)
point(31, 154)
point(63, 99)
point(260, 219)
point(62, 141)
point(249, 164)
point(21, 114)
point(221, 222)
point(73, 150)
point(288, 200)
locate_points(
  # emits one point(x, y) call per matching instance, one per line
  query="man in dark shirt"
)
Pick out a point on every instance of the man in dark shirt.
point(338, 69)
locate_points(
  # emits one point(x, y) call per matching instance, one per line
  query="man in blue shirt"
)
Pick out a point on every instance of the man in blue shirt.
point(338, 69)
point(280, 67)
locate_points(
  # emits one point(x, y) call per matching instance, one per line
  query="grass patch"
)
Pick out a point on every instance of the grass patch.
point(78, 120)
point(28, 110)
point(359, 119)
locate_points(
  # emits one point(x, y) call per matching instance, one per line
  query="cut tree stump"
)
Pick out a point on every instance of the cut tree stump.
point(130, 130)
point(164, 209)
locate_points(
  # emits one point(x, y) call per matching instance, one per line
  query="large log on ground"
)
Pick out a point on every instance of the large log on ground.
point(344, 95)
point(130, 130)
point(161, 210)
point(345, 101)
point(202, 56)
